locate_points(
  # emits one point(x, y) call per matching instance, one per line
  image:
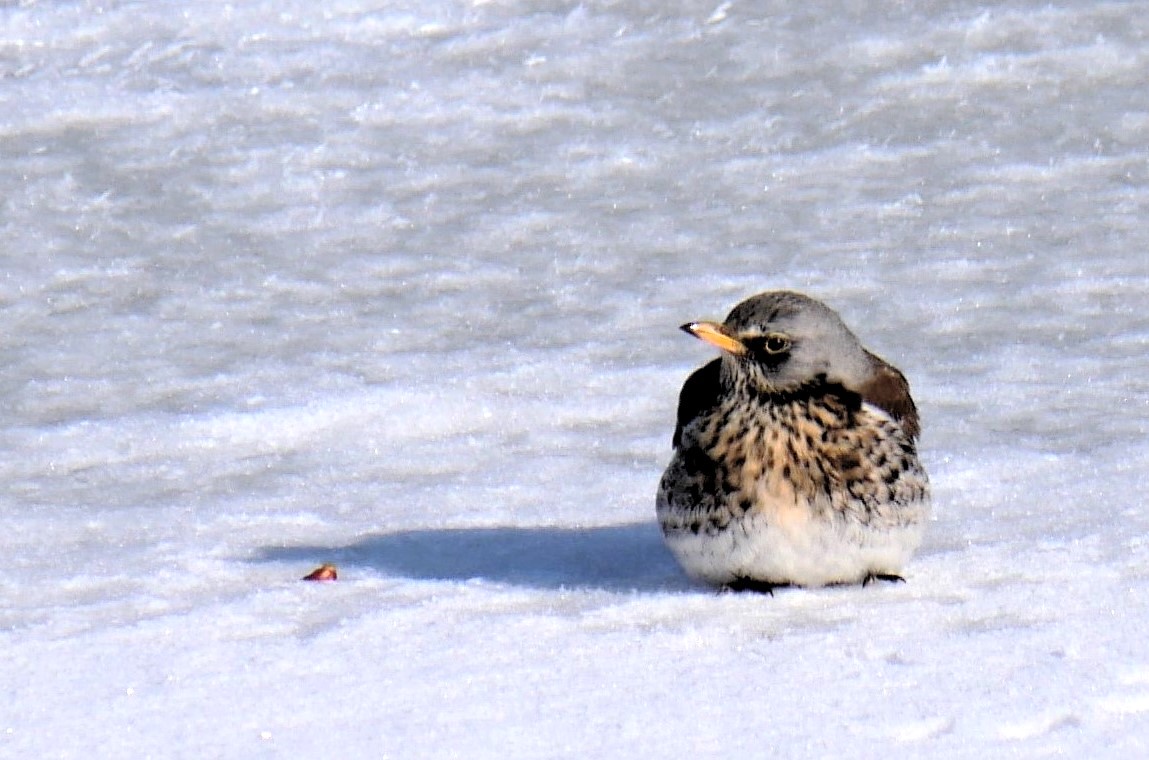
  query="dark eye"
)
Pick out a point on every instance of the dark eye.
point(776, 343)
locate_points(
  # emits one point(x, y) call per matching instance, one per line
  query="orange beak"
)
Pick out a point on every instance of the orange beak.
point(716, 335)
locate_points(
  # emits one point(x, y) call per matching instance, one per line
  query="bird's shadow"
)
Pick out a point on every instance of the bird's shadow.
point(628, 557)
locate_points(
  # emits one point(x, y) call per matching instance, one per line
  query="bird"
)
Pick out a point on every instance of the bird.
point(795, 455)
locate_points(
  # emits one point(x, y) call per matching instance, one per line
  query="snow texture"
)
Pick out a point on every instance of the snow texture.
point(397, 287)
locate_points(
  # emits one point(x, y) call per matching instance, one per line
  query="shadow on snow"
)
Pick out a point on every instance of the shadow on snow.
point(615, 557)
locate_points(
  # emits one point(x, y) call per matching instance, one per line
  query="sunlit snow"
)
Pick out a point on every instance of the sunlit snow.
point(397, 287)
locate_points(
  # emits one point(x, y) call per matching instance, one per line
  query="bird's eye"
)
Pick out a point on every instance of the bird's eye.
point(776, 343)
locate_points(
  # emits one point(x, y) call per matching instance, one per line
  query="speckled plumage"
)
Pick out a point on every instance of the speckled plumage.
point(795, 458)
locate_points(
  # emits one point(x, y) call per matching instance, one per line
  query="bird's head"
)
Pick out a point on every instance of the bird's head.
point(779, 341)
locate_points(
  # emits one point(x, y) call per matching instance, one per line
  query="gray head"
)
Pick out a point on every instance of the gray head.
point(780, 341)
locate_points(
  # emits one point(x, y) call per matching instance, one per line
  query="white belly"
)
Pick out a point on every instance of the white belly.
point(805, 553)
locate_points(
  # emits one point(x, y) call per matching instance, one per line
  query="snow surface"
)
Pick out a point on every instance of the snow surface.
point(397, 286)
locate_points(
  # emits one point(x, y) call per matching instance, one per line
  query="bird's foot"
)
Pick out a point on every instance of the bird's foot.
point(749, 584)
point(882, 577)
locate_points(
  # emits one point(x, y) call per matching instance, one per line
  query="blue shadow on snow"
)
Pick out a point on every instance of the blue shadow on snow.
point(628, 557)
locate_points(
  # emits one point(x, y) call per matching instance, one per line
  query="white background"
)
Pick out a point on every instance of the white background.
point(397, 286)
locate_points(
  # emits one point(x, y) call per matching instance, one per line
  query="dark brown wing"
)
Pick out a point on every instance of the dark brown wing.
point(699, 393)
point(889, 390)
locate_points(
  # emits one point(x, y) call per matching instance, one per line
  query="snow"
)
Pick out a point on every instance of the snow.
point(398, 288)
